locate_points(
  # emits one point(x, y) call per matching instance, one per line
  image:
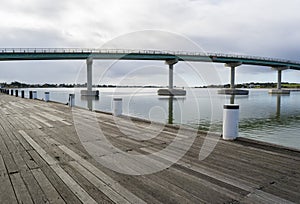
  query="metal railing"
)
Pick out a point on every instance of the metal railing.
point(152, 52)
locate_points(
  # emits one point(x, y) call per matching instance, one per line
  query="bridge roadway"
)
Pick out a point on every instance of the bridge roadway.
point(42, 160)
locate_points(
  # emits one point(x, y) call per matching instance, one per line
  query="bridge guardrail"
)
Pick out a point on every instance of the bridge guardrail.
point(127, 51)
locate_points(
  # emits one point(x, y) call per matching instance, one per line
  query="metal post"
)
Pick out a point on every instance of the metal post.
point(22, 94)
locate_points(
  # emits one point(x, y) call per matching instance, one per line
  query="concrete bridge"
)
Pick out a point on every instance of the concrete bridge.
point(170, 57)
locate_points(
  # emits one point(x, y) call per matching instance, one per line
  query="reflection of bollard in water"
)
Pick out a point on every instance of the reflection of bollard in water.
point(117, 107)
point(22, 93)
point(230, 121)
point(71, 100)
point(47, 96)
point(34, 95)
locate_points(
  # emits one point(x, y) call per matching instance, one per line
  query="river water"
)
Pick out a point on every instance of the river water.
point(263, 117)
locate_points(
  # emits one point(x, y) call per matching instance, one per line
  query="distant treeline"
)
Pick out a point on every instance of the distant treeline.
point(255, 85)
point(17, 84)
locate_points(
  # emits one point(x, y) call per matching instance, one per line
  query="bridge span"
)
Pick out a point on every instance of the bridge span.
point(170, 57)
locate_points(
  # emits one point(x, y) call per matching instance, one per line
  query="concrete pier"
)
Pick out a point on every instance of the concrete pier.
point(42, 160)
point(89, 91)
point(171, 91)
point(232, 90)
point(279, 89)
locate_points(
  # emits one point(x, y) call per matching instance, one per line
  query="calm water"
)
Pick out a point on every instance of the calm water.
point(263, 117)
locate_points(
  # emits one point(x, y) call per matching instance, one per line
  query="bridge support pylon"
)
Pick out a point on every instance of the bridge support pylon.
point(232, 90)
point(279, 90)
point(89, 91)
point(171, 91)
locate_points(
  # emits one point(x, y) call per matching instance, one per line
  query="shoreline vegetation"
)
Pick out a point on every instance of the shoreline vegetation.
point(256, 85)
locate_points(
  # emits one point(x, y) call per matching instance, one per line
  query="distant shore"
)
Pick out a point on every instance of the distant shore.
point(252, 85)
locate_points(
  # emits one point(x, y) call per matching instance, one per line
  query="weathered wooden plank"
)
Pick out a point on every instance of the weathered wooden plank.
point(48, 189)
point(58, 184)
point(103, 187)
point(34, 189)
point(76, 189)
point(7, 194)
point(93, 191)
point(30, 162)
point(101, 175)
point(10, 164)
point(20, 189)
point(39, 150)
point(41, 120)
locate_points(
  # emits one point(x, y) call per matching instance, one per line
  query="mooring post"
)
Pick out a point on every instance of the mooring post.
point(17, 93)
point(71, 100)
point(22, 94)
point(117, 107)
point(47, 96)
point(230, 121)
point(34, 94)
point(30, 94)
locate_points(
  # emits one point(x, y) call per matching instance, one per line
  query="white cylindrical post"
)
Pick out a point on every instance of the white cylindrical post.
point(117, 107)
point(47, 96)
point(71, 100)
point(34, 95)
point(230, 121)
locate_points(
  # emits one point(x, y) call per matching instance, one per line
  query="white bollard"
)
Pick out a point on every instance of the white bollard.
point(117, 107)
point(71, 100)
point(34, 95)
point(230, 121)
point(47, 96)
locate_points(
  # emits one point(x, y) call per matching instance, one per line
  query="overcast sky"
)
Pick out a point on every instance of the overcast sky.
point(258, 27)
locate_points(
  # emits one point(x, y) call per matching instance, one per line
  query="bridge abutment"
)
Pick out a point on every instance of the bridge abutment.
point(171, 91)
point(232, 90)
point(279, 89)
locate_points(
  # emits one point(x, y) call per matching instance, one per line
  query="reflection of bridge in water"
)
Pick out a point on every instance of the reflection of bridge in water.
point(170, 57)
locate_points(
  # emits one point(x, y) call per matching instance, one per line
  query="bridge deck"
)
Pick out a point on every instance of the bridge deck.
point(43, 161)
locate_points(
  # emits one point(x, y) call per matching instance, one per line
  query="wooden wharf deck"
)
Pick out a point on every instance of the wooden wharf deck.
point(42, 160)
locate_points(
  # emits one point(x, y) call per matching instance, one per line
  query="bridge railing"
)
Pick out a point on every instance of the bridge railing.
point(128, 51)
